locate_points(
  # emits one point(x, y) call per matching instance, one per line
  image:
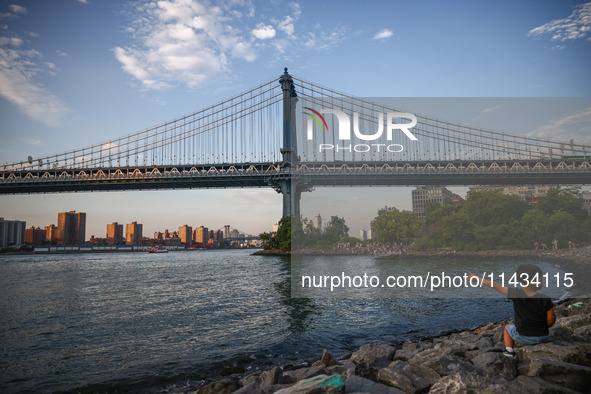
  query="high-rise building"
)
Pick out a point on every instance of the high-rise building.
point(133, 234)
point(71, 228)
point(226, 231)
point(186, 234)
point(363, 235)
point(434, 194)
point(201, 235)
point(216, 236)
point(12, 232)
point(114, 233)
point(51, 234)
point(318, 221)
point(35, 236)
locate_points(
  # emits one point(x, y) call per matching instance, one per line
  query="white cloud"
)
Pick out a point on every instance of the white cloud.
point(182, 41)
point(263, 32)
point(287, 25)
point(575, 126)
point(18, 69)
point(576, 26)
point(12, 41)
point(32, 141)
point(325, 40)
point(382, 34)
point(14, 10)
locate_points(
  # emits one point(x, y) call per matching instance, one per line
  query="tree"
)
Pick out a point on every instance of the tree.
point(493, 207)
point(568, 200)
point(335, 229)
point(282, 238)
point(392, 225)
point(458, 230)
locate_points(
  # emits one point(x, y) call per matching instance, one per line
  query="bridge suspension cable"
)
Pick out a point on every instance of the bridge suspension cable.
point(438, 140)
point(244, 128)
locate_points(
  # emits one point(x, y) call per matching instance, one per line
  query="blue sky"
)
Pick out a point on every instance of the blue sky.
point(78, 72)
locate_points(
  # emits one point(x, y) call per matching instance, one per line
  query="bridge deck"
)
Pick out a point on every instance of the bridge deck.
point(307, 173)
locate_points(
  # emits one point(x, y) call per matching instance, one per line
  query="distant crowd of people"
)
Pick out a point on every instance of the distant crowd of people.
point(543, 246)
point(375, 248)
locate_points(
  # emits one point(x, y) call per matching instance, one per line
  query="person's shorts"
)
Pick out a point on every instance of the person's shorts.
point(525, 340)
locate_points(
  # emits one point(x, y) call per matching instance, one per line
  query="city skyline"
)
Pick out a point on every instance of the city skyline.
point(115, 230)
point(60, 93)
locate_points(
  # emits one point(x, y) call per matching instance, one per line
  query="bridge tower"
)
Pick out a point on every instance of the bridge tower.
point(286, 184)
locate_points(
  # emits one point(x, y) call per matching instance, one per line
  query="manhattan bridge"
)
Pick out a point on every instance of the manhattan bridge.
point(275, 135)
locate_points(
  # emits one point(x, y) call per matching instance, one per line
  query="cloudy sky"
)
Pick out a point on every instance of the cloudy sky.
point(78, 72)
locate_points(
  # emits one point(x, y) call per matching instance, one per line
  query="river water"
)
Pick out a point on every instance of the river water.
point(147, 322)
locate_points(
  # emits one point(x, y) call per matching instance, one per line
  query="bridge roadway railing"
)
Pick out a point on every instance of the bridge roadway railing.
point(308, 173)
point(445, 173)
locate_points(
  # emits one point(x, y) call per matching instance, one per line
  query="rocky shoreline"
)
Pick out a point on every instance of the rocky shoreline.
point(459, 362)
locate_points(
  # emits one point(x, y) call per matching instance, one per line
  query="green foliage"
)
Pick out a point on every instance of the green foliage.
point(281, 240)
point(393, 225)
point(335, 231)
point(568, 200)
point(490, 220)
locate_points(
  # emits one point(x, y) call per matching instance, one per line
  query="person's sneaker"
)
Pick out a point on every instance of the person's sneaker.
point(509, 354)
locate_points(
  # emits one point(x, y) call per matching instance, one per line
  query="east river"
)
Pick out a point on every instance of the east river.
point(147, 322)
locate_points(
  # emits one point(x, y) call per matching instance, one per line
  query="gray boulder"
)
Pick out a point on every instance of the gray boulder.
point(270, 378)
point(304, 373)
point(531, 385)
point(470, 383)
point(571, 376)
point(493, 364)
point(568, 352)
point(373, 351)
point(357, 384)
point(396, 378)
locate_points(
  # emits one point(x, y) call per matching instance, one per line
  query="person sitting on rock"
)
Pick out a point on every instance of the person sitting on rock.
point(534, 312)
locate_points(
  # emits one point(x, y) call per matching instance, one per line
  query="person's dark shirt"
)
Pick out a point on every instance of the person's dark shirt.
point(530, 312)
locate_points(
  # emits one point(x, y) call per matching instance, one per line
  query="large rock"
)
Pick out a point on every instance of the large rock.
point(369, 369)
point(571, 376)
point(251, 388)
point(421, 376)
point(493, 364)
point(405, 354)
point(469, 383)
point(270, 378)
point(357, 384)
point(456, 347)
point(430, 358)
point(373, 351)
point(396, 378)
point(304, 373)
point(452, 364)
point(568, 352)
point(530, 385)
point(444, 360)
point(223, 387)
point(575, 321)
point(321, 384)
point(327, 359)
